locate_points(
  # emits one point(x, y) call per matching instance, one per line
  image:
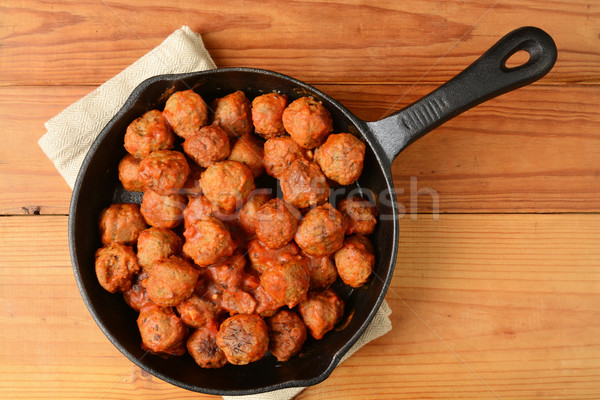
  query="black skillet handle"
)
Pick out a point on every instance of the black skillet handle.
point(487, 77)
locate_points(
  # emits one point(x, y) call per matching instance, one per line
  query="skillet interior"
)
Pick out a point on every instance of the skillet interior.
point(97, 186)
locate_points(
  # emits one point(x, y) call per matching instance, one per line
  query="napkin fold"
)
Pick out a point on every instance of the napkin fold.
point(71, 133)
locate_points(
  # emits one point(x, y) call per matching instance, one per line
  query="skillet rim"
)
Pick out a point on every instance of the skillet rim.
point(366, 133)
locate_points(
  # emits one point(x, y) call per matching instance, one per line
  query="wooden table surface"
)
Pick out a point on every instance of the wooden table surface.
point(496, 292)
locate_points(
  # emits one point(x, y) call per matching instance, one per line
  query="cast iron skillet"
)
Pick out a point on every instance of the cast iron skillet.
point(97, 186)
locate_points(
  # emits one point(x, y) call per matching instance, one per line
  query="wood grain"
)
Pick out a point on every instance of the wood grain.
point(535, 150)
point(427, 41)
point(484, 307)
point(494, 297)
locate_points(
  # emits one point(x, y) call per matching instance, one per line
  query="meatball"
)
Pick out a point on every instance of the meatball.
point(304, 185)
point(227, 184)
point(161, 330)
point(243, 338)
point(156, 244)
point(148, 133)
point(233, 113)
point(262, 257)
point(288, 282)
point(196, 312)
point(238, 301)
point(280, 153)
point(276, 223)
point(135, 296)
point(321, 311)
point(360, 215)
point(229, 273)
point(266, 306)
point(198, 207)
point(171, 281)
point(355, 261)
point(116, 265)
point(208, 241)
point(247, 214)
point(186, 112)
point(162, 211)
point(321, 232)
point(209, 145)
point(202, 346)
point(267, 111)
point(129, 167)
point(307, 121)
point(287, 334)
point(341, 158)
point(164, 171)
point(322, 272)
point(121, 222)
point(249, 151)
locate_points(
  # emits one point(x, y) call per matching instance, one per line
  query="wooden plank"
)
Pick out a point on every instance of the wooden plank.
point(28, 180)
point(87, 42)
point(535, 150)
point(483, 307)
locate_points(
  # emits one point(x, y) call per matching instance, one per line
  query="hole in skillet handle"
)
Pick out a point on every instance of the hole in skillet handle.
point(518, 59)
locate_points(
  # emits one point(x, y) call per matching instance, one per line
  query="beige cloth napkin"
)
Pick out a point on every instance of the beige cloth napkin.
point(71, 133)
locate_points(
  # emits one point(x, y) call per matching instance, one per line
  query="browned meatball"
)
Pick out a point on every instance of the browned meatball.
point(280, 153)
point(233, 113)
point(276, 223)
point(129, 167)
point(360, 215)
point(202, 345)
point(162, 211)
point(164, 171)
point(321, 311)
point(341, 158)
point(209, 145)
point(304, 185)
point(197, 312)
point(186, 112)
point(307, 121)
point(243, 338)
point(267, 111)
point(266, 306)
point(161, 330)
point(228, 273)
point(116, 265)
point(198, 207)
point(322, 272)
point(208, 241)
point(321, 232)
point(288, 282)
point(156, 244)
point(135, 296)
point(262, 257)
point(247, 214)
point(171, 281)
point(249, 151)
point(121, 222)
point(287, 334)
point(148, 133)
point(355, 261)
point(238, 301)
point(227, 184)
